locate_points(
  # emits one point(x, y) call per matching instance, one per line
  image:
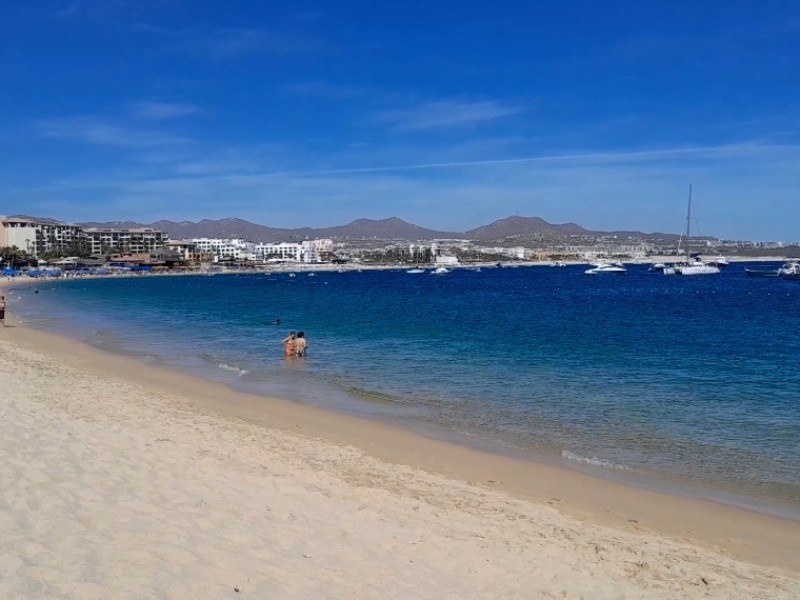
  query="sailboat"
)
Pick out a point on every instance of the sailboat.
point(692, 265)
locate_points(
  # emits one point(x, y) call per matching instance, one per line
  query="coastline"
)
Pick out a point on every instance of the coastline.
point(579, 499)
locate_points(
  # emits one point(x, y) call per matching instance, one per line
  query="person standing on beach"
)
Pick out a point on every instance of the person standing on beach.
point(289, 344)
point(3, 310)
point(301, 345)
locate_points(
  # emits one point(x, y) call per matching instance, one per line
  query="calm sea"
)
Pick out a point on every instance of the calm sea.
point(689, 382)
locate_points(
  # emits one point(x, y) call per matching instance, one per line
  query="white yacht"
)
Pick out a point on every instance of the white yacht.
point(692, 264)
point(790, 270)
point(606, 268)
point(415, 271)
point(440, 271)
point(698, 267)
point(720, 261)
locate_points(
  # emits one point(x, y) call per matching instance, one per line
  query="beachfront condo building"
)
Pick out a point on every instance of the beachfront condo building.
point(303, 252)
point(237, 249)
point(217, 249)
point(129, 240)
point(39, 237)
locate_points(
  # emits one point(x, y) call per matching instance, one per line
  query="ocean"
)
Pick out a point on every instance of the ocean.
point(688, 384)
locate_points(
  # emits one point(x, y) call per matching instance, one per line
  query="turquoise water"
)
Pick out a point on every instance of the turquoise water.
point(692, 381)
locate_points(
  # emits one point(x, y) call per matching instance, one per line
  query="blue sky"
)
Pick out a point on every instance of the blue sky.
point(446, 114)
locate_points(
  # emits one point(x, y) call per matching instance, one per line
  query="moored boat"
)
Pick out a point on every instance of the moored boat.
point(791, 271)
point(606, 268)
point(762, 272)
point(692, 264)
point(720, 261)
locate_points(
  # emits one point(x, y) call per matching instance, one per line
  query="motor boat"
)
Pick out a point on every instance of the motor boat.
point(720, 261)
point(602, 263)
point(415, 271)
point(440, 271)
point(606, 268)
point(762, 272)
point(791, 271)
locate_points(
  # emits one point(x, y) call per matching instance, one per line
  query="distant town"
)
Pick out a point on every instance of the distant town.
point(33, 242)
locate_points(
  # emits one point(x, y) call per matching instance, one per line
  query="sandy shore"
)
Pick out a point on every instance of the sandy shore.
point(125, 481)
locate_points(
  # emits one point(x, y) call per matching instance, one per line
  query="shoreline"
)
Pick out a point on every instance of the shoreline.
point(342, 401)
point(739, 532)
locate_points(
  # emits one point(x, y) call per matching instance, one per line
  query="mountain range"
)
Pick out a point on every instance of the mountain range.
point(387, 229)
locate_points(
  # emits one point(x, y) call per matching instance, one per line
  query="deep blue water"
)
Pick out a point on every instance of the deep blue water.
point(694, 380)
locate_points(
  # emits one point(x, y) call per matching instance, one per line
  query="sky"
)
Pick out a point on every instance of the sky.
point(447, 114)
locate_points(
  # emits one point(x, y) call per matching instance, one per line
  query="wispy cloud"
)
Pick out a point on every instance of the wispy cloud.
point(324, 90)
point(445, 114)
point(232, 43)
point(159, 111)
point(108, 11)
point(102, 132)
point(582, 186)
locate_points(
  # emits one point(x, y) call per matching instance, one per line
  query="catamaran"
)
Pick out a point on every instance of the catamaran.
point(692, 265)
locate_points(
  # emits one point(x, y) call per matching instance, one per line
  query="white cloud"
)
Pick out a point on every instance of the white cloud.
point(324, 90)
point(102, 132)
point(233, 43)
point(159, 111)
point(444, 114)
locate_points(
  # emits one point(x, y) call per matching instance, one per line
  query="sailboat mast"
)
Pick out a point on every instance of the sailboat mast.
point(688, 222)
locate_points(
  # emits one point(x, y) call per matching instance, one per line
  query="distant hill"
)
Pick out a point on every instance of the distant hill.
point(222, 228)
point(389, 229)
point(525, 228)
point(522, 226)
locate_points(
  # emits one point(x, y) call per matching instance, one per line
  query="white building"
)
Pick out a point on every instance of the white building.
point(218, 249)
point(135, 240)
point(188, 250)
point(38, 236)
point(323, 246)
point(304, 252)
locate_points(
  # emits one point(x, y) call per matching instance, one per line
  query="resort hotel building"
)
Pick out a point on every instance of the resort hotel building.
point(105, 240)
point(38, 236)
point(45, 238)
point(308, 251)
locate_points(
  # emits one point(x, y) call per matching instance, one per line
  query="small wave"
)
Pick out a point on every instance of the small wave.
point(233, 368)
point(371, 395)
point(223, 365)
point(593, 460)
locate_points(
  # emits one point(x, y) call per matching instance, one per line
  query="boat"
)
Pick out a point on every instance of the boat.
point(440, 271)
point(558, 263)
point(762, 272)
point(606, 268)
point(720, 261)
point(603, 262)
point(692, 264)
point(791, 271)
point(415, 271)
point(657, 267)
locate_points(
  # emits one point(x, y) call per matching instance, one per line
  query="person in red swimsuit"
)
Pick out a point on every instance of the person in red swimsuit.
point(289, 345)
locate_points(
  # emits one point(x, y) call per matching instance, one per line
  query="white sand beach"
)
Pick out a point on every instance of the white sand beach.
point(120, 481)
